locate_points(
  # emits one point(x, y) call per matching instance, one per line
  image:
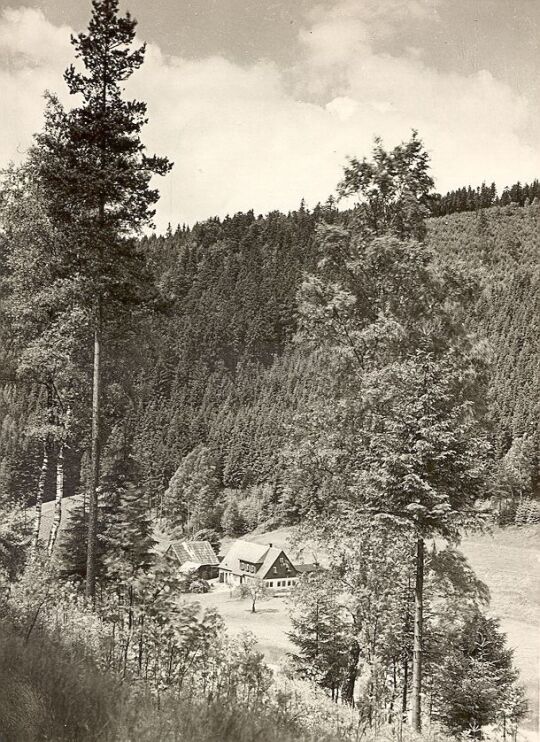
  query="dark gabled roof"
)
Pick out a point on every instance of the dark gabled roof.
point(200, 552)
point(269, 560)
point(302, 568)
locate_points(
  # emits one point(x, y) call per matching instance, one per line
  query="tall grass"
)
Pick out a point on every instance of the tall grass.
point(56, 694)
point(48, 693)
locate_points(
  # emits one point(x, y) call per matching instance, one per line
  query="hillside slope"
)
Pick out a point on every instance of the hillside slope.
point(217, 367)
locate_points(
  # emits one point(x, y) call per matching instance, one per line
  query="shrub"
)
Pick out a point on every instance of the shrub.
point(199, 586)
point(528, 512)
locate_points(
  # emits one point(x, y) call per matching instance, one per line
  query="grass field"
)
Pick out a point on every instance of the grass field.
point(507, 561)
point(269, 624)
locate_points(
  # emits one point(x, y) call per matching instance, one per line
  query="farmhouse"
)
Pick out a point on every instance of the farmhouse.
point(247, 561)
point(194, 557)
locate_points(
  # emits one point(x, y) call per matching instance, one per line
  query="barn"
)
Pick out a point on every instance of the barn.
point(194, 557)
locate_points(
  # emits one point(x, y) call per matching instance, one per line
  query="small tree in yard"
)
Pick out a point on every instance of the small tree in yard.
point(255, 590)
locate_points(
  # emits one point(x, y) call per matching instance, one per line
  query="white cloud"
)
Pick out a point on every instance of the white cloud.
point(242, 138)
point(33, 54)
point(471, 124)
point(27, 39)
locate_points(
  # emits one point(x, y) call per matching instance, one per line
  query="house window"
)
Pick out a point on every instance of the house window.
point(270, 583)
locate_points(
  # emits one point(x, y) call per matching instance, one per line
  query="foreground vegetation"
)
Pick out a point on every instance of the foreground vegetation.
point(54, 688)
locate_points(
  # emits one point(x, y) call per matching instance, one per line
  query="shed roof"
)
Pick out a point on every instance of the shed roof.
point(200, 552)
point(188, 567)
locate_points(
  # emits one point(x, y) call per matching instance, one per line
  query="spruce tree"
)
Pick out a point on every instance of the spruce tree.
point(232, 522)
point(127, 542)
point(475, 682)
point(319, 631)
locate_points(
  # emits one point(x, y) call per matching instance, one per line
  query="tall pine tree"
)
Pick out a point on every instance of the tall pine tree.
point(95, 175)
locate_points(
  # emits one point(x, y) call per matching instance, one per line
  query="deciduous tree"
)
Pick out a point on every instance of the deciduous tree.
point(398, 432)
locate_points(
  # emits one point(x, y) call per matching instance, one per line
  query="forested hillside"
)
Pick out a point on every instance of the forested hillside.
point(484, 196)
point(500, 248)
point(221, 377)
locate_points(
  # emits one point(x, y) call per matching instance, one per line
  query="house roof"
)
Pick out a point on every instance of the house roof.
point(269, 559)
point(245, 551)
point(306, 567)
point(200, 552)
point(263, 555)
point(188, 567)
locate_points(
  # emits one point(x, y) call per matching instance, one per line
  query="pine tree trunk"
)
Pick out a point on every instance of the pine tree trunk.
point(404, 699)
point(416, 717)
point(57, 519)
point(39, 494)
point(347, 688)
point(407, 627)
point(95, 460)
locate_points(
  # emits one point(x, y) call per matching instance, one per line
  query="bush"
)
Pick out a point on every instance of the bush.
point(147, 668)
point(199, 586)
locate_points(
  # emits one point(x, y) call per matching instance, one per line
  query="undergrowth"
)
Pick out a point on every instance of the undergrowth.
point(56, 694)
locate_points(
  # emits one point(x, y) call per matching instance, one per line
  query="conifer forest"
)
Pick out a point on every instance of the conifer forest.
point(256, 469)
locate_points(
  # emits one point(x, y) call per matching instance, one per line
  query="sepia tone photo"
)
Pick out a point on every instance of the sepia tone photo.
point(269, 371)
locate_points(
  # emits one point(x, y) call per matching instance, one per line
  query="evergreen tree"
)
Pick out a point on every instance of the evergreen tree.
point(73, 539)
point(475, 684)
point(232, 522)
point(192, 500)
point(319, 631)
point(91, 165)
point(126, 539)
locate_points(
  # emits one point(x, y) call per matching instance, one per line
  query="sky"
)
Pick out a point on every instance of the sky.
point(259, 102)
